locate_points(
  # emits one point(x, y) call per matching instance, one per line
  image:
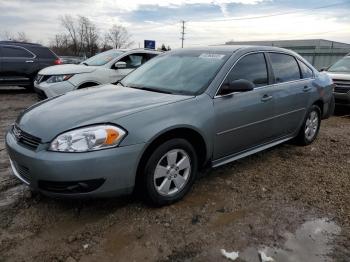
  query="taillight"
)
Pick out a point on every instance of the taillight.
point(58, 61)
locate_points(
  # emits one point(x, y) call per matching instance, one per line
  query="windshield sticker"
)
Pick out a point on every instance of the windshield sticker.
point(211, 56)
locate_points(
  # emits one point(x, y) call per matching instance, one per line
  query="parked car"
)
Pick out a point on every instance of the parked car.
point(181, 111)
point(20, 62)
point(340, 73)
point(104, 68)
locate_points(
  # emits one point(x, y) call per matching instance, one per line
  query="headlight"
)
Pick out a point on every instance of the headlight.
point(58, 78)
point(88, 139)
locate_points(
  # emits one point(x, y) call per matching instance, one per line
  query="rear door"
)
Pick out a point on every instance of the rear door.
point(292, 92)
point(17, 65)
point(244, 120)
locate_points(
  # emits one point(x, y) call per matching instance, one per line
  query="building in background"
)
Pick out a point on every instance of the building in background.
point(319, 52)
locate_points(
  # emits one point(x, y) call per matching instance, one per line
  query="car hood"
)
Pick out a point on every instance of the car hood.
point(339, 76)
point(67, 69)
point(89, 106)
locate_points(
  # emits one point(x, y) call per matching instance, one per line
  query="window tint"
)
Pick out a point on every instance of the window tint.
point(305, 70)
point(285, 67)
point(42, 52)
point(252, 68)
point(11, 51)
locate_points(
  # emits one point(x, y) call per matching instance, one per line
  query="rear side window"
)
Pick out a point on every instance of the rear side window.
point(252, 68)
point(12, 51)
point(306, 72)
point(43, 52)
point(285, 67)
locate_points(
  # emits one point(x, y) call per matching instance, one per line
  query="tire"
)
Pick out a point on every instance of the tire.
point(176, 175)
point(311, 126)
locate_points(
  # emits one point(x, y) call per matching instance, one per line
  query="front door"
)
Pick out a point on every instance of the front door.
point(245, 120)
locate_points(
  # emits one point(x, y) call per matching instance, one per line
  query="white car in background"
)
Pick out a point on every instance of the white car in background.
point(104, 68)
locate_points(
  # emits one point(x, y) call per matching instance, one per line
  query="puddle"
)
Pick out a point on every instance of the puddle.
point(11, 196)
point(311, 242)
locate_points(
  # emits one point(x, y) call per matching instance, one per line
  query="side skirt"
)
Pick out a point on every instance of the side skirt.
point(230, 158)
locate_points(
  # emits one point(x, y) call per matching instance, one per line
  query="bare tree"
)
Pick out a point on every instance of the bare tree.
point(119, 37)
point(88, 35)
point(20, 36)
point(81, 36)
point(68, 24)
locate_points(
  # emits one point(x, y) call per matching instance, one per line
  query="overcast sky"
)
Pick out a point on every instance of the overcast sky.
point(208, 21)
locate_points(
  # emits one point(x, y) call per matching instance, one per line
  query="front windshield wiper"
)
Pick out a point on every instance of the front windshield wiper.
point(151, 89)
point(119, 82)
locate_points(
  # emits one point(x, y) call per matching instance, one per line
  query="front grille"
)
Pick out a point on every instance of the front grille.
point(23, 171)
point(71, 187)
point(26, 139)
point(341, 86)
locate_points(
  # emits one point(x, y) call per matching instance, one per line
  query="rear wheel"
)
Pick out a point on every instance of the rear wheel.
point(170, 172)
point(310, 127)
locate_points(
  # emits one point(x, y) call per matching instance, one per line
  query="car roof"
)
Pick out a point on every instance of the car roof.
point(234, 48)
point(20, 43)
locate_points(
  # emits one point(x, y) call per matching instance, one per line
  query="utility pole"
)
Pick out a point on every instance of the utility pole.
point(182, 33)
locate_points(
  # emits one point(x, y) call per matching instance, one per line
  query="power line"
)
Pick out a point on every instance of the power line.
point(182, 33)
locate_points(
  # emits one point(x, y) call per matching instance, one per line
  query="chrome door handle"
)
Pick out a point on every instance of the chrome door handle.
point(307, 88)
point(29, 61)
point(266, 98)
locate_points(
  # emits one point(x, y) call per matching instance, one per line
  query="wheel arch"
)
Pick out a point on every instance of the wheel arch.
point(87, 84)
point(193, 136)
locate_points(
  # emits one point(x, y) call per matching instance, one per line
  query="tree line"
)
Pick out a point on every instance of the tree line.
point(81, 37)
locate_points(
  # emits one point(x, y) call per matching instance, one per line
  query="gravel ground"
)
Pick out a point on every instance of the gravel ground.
point(265, 200)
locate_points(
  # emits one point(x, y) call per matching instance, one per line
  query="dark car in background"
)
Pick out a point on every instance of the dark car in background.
point(20, 62)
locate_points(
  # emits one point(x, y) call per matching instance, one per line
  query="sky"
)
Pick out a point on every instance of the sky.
point(208, 22)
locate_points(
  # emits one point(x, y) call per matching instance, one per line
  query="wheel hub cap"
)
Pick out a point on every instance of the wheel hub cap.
point(172, 172)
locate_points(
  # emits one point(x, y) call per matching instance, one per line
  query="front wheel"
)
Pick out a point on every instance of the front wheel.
point(170, 172)
point(310, 127)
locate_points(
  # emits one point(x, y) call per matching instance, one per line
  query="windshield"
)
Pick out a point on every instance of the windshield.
point(182, 72)
point(102, 58)
point(343, 65)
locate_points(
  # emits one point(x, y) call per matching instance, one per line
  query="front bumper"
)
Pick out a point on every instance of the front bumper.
point(109, 172)
point(45, 90)
point(342, 98)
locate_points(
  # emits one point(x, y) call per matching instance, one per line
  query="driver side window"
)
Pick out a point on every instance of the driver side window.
point(134, 60)
point(252, 68)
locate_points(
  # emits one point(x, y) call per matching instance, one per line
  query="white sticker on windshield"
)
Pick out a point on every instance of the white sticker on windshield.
point(211, 56)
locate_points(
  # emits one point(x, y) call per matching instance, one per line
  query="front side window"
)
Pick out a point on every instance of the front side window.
point(252, 68)
point(305, 70)
point(12, 51)
point(184, 72)
point(285, 67)
point(134, 60)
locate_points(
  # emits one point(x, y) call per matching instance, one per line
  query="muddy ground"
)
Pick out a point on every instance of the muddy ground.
point(292, 202)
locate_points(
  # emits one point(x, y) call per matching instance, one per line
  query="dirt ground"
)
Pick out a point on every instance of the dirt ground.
point(264, 202)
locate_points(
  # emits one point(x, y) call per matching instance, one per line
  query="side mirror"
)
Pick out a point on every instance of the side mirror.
point(120, 65)
point(240, 85)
